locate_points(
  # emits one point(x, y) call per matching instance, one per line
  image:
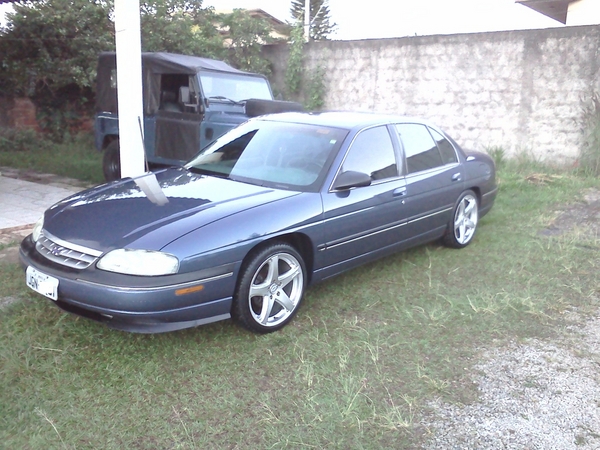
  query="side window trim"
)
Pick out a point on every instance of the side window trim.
point(405, 159)
point(398, 149)
point(374, 182)
point(430, 129)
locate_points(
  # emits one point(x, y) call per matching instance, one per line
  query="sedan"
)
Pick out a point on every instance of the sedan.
point(275, 205)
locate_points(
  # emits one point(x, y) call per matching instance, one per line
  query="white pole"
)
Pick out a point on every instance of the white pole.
point(306, 20)
point(129, 86)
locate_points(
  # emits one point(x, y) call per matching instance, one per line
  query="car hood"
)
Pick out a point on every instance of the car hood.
point(152, 210)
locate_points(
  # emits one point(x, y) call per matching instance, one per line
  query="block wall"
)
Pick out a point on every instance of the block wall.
point(521, 90)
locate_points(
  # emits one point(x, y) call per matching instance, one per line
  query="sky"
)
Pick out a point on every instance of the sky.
point(374, 19)
point(396, 18)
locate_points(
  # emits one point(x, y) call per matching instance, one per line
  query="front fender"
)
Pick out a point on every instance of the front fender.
point(228, 240)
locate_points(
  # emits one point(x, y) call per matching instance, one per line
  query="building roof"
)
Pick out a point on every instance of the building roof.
point(555, 9)
point(279, 28)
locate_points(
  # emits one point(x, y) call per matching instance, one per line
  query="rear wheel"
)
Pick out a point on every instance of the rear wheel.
point(461, 228)
point(111, 161)
point(270, 289)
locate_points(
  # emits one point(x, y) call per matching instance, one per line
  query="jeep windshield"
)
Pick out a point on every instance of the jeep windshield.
point(231, 87)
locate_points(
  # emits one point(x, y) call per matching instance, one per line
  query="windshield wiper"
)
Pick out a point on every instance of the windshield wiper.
point(225, 99)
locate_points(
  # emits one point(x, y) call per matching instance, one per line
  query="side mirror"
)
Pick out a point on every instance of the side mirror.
point(351, 179)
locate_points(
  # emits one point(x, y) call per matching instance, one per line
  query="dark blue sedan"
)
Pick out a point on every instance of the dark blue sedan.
point(276, 204)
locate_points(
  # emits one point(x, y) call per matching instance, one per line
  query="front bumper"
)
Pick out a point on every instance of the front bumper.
point(139, 304)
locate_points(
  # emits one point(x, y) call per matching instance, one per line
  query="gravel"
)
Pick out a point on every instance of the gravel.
point(532, 395)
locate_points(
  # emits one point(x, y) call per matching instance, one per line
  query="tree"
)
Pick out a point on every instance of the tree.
point(244, 38)
point(51, 44)
point(320, 17)
point(180, 26)
point(50, 50)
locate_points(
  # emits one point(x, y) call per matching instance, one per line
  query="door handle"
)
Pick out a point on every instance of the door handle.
point(456, 177)
point(400, 192)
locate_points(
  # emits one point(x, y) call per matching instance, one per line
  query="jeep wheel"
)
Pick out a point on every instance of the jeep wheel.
point(111, 162)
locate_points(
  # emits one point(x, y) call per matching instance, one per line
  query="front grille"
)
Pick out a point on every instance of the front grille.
point(65, 253)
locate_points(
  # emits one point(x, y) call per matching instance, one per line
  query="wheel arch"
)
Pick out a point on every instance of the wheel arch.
point(301, 243)
point(477, 192)
point(108, 139)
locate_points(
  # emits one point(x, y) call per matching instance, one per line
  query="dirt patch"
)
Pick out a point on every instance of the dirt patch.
point(9, 255)
point(11, 237)
point(580, 216)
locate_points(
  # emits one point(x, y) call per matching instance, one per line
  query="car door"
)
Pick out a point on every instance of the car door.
point(177, 122)
point(362, 222)
point(434, 180)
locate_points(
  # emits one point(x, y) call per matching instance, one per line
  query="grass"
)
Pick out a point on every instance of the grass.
point(589, 122)
point(76, 157)
point(355, 369)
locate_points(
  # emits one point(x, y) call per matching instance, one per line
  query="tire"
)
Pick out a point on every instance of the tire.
point(270, 288)
point(111, 161)
point(462, 226)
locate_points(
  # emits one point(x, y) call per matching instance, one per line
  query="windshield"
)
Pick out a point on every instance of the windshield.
point(228, 86)
point(275, 154)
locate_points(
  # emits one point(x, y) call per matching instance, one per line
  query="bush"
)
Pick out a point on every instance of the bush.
point(589, 157)
point(19, 140)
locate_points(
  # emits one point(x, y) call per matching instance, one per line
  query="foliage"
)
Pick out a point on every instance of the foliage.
point(50, 48)
point(15, 140)
point(293, 73)
point(498, 154)
point(316, 90)
point(589, 157)
point(320, 17)
point(179, 26)
point(246, 35)
point(298, 80)
point(75, 157)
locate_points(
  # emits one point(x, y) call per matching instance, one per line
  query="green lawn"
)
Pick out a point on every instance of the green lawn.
point(355, 369)
point(75, 158)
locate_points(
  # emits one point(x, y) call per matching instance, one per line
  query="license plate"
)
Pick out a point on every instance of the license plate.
point(42, 283)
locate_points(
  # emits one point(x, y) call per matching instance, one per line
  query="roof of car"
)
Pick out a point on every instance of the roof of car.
point(341, 119)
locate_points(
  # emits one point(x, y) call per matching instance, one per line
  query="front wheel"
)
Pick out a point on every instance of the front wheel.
point(270, 289)
point(111, 161)
point(461, 228)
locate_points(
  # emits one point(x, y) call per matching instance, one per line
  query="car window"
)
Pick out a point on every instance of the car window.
point(446, 149)
point(372, 152)
point(277, 154)
point(420, 149)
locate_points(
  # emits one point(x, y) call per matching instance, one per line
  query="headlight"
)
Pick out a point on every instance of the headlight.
point(37, 229)
point(139, 262)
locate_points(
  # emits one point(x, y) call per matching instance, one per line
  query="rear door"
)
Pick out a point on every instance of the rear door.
point(434, 179)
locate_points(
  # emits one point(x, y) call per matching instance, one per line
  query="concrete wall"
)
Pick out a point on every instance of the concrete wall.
point(521, 90)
